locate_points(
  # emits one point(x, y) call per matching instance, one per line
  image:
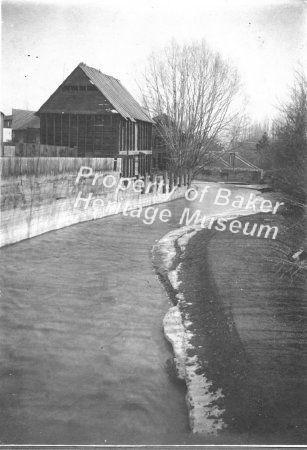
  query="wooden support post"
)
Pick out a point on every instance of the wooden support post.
point(143, 187)
point(165, 182)
point(93, 117)
point(126, 137)
point(136, 165)
point(101, 128)
point(69, 130)
point(146, 181)
point(123, 166)
point(175, 179)
point(180, 179)
point(119, 136)
point(78, 134)
point(85, 134)
point(171, 185)
point(133, 167)
point(53, 129)
point(46, 131)
point(155, 188)
point(61, 129)
point(152, 180)
point(142, 171)
point(122, 124)
point(185, 178)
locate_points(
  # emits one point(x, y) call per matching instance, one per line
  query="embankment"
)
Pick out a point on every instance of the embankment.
point(238, 331)
point(203, 400)
point(39, 195)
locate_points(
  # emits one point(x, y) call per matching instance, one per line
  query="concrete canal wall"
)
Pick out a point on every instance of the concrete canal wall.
point(43, 194)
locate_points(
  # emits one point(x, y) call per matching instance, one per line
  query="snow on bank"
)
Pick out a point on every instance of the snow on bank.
point(205, 416)
point(175, 333)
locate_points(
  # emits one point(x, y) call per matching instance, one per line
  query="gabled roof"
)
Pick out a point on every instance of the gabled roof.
point(117, 94)
point(113, 91)
point(23, 119)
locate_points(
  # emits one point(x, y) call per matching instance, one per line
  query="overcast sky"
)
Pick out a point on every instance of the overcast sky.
point(43, 41)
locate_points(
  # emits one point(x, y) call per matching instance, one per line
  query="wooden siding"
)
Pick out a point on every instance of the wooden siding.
point(31, 135)
point(144, 136)
point(95, 134)
point(135, 136)
point(90, 134)
point(77, 95)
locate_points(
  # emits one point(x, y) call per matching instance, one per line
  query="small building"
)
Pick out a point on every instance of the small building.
point(94, 113)
point(25, 127)
point(7, 128)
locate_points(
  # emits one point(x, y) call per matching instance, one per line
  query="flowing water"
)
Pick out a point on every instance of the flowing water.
point(83, 355)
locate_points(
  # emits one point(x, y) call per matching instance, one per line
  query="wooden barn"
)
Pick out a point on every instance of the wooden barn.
point(94, 113)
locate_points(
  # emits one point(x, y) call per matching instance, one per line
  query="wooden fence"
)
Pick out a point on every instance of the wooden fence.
point(11, 167)
point(127, 166)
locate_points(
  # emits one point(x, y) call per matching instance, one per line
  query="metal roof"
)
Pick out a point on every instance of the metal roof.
point(117, 94)
point(22, 119)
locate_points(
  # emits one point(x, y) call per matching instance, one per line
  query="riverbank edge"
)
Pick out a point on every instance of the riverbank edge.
point(199, 396)
point(176, 331)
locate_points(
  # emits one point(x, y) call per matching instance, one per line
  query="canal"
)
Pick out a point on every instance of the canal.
point(83, 355)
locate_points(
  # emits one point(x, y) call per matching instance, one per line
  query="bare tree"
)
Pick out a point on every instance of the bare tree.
point(190, 89)
point(289, 142)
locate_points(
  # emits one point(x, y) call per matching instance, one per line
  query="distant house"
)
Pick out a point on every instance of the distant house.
point(25, 127)
point(94, 113)
point(7, 121)
point(7, 128)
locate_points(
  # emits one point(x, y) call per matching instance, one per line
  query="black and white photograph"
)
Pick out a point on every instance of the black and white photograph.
point(153, 224)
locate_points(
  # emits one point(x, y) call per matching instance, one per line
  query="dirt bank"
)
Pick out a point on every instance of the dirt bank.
point(248, 329)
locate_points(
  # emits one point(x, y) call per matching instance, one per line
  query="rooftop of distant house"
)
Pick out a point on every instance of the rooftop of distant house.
point(23, 119)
